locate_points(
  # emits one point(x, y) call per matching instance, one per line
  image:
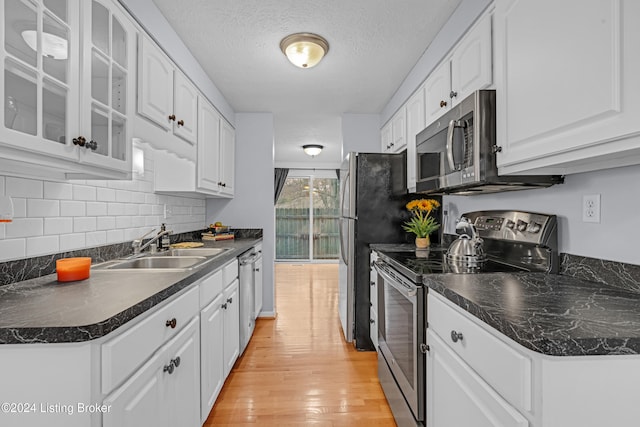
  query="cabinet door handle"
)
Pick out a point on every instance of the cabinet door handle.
point(172, 117)
point(443, 104)
point(224, 306)
point(79, 141)
point(455, 336)
point(372, 321)
point(168, 368)
point(176, 362)
point(256, 269)
point(453, 94)
point(372, 283)
point(229, 300)
point(180, 122)
point(171, 323)
point(93, 145)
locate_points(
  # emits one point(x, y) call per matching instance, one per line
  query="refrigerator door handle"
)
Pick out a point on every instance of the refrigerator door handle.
point(344, 190)
point(342, 249)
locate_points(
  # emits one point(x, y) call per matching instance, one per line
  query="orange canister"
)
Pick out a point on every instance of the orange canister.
point(72, 269)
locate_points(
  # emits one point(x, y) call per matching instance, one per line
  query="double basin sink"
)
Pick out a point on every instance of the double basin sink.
point(173, 259)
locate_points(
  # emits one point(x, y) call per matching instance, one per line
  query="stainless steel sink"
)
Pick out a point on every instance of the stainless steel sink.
point(206, 252)
point(159, 262)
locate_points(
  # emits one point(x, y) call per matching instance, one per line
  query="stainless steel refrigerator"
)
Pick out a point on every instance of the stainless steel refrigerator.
point(373, 196)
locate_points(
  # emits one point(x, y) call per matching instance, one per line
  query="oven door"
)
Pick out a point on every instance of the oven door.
point(402, 335)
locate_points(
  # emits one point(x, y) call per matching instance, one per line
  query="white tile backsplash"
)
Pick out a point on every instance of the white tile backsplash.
point(52, 217)
point(42, 208)
point(96, 238)
point(19, 207)
point(115, 236)
point(59, 225)
point(20, 187)
point(58, 191)
point(84, 224)
point(69, 242)
point(96, 208)
point(84, 192)
point(106, 194)
point(72, 208)
point(25, 227)
point(42, 245)
point(13, 248)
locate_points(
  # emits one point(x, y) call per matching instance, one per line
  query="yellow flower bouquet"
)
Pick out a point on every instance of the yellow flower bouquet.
point(421, 223)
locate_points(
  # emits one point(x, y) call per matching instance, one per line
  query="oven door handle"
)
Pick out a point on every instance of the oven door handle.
point(409, 291)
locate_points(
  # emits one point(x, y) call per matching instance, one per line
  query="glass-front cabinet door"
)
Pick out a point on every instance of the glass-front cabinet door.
point(108, 60)
point(40, 89)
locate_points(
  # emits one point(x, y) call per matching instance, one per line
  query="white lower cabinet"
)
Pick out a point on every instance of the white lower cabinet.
point(231, 333)
point(212, 355)
point(457, 396)
point(165, 390)
point(257, 274)
point(478, 377)
point(219, 334)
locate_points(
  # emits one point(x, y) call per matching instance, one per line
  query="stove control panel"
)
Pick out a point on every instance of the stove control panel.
point(526, 227)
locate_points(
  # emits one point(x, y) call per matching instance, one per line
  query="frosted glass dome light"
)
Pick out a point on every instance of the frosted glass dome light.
point(304, 50)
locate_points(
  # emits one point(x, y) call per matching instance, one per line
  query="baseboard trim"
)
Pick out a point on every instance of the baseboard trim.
point(267, 315)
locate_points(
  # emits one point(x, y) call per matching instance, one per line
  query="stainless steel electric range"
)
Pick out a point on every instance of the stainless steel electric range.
point(505, 241)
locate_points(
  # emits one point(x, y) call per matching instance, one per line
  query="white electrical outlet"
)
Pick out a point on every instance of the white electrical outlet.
point(591, 208)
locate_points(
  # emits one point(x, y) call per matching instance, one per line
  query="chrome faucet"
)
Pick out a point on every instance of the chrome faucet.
point(137, 245)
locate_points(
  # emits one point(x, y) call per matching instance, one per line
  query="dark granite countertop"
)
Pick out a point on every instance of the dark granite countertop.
point(552, 314)
point(43, 310)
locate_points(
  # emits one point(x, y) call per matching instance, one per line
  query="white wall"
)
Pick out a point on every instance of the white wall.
point(51, 217)
point(615, 238)
point(252, 206)
point(149, 17)
point(360, 133)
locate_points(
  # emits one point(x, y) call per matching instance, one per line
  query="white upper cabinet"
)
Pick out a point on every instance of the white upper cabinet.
point(467, 69)
point(415, 124)
point(212, 173)
point(68, 84)
point(386, 137)
point(227, 158)
point(165, 96)
point(437, 89)
point(568, 96)
point(208, 168)
point(471, 62)
point(186, 108)
point(394, 133)
point(155, 84)
point(107, 96)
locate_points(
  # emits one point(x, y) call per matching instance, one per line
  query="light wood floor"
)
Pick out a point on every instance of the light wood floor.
point(297, 369)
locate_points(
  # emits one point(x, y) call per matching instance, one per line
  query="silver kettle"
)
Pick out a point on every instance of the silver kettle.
point(466, 249)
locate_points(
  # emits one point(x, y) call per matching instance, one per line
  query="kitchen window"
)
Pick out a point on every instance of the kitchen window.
point(307, 217)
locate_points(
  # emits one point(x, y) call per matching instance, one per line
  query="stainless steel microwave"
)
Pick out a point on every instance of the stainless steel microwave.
point(457, 152)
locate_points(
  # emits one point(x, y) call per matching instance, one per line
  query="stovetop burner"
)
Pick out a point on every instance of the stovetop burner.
point(413, 264)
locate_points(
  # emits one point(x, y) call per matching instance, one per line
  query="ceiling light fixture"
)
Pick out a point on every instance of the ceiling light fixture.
point(312, 149)
point(304, 50)
point(53, 46)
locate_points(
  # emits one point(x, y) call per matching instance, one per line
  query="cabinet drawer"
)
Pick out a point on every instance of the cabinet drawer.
point(210, 287)
point(124, 353)
point(229, 272)
point(505, 369)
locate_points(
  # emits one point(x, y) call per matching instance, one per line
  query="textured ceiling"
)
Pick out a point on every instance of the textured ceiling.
point(373, 46)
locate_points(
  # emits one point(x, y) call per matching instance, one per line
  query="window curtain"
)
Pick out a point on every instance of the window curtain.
point(278, 183)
